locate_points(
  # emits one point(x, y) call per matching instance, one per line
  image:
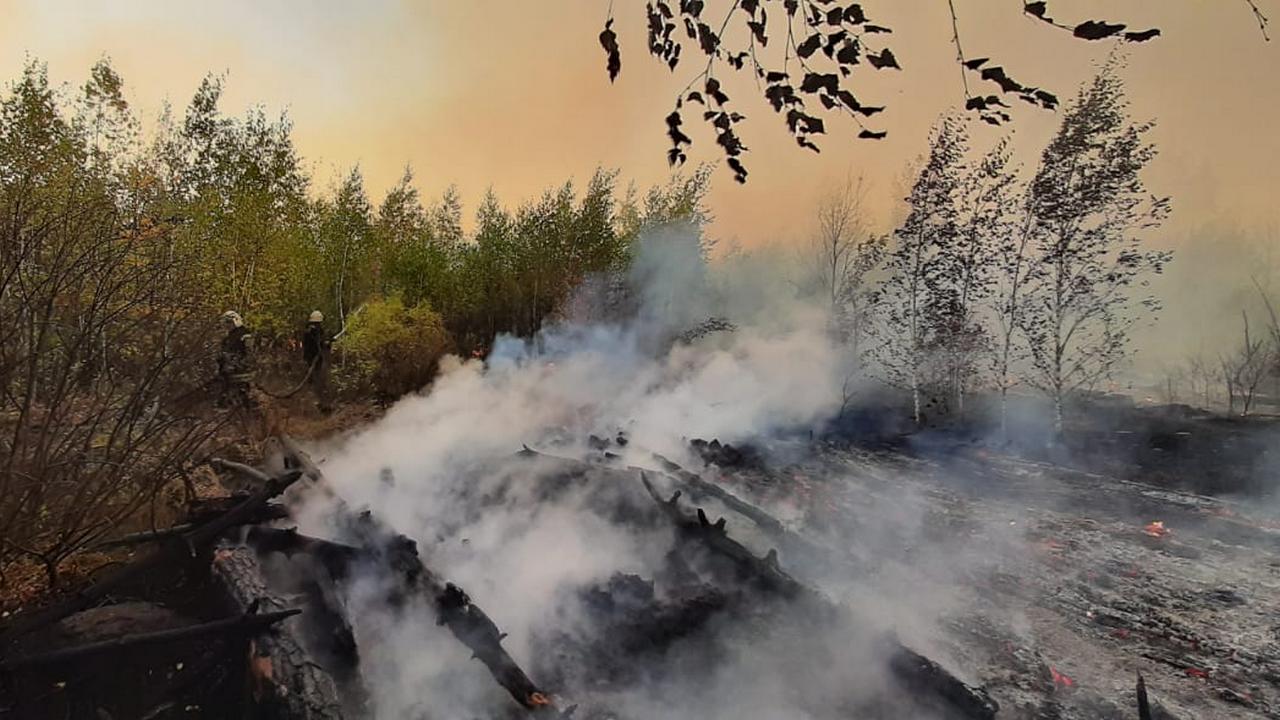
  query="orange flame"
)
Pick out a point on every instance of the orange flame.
point(537, 699)
point(1156, 529)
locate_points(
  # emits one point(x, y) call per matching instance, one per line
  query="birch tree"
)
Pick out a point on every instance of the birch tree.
point(1091, 210)
point(929, 228)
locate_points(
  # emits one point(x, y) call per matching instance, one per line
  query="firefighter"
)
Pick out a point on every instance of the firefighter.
point(315, 353)
point(235, 365)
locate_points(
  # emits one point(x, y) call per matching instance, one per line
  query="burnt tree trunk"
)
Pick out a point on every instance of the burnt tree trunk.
point(285, 682)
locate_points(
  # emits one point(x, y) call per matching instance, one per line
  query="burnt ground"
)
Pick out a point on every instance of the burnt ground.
point(1045, 584)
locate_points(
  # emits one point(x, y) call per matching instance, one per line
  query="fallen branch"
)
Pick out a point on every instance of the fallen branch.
point(248, 623)
point(269, 512)
point(193, 541)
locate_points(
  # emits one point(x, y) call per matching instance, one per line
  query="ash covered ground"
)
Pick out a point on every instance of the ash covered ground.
point(1052, 588)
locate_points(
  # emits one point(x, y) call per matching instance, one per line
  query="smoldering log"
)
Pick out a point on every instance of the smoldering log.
point(285, 679)
point(452, 605)
point(916, 672)
point(248, 623)
point(192, 541)
point(713, 535)
point(790, 542)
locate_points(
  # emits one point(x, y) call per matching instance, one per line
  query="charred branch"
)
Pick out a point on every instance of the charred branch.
point(246, 624)
point(922, 676)
point(193, 541)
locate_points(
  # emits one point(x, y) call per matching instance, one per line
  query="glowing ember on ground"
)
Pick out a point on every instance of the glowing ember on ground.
point(1156, 529)
point(1059, 679)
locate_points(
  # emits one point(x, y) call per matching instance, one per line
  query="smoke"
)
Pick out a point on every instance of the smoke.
point(440, 468)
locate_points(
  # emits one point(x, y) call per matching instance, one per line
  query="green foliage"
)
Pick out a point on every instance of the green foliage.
point(391, 349)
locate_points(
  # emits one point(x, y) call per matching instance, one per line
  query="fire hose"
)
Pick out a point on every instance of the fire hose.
point(301, 384)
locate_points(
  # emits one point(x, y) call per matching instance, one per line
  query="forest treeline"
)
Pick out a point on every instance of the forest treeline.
point(120, 250)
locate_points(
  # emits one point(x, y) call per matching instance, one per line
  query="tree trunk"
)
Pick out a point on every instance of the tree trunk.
point(284, 679)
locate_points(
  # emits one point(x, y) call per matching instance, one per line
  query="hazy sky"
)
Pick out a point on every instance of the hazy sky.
point(514, 93)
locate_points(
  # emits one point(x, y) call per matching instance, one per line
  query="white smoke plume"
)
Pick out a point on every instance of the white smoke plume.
point(523, 557)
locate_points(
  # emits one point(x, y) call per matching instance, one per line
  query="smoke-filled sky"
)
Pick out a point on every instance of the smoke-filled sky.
point(514, 95)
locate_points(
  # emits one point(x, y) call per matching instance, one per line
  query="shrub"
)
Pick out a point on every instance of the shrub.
point(389, 349)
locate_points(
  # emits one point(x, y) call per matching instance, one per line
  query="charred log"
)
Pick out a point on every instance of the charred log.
point(285, 681)
point(247, 624)
point(192, 542)
point(920, 675)
point(453, 607)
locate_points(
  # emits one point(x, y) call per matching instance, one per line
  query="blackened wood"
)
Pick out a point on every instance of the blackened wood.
point(246, 623)
point(193, 541)
point(286, 682)
point(917, 672)
point(453, 607)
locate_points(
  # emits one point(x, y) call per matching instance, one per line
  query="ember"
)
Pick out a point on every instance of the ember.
point(1059, 679)
point(1156, 529)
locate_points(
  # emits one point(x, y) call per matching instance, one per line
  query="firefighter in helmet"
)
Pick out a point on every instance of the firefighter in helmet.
point(316, 344)
point(235, 365)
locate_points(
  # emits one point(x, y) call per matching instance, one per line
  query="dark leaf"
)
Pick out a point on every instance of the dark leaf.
point(1142, 36)
point(997, 75)
point(690, 29)
point(691, 7)
point(675, 157)
point(850, 53)
point(804, 143)
point(809, 46)
point(877, 29)
point(835, 16)
point(696, 96)
point(609, 41)
point(820, 81)
point(707, 39)
point(1037, 9)
point(827, 101)
point(775, 76)
point(757, 29)
point(713, 91)
point(884, 60)
point(664, 9)
point(854, 15)
point(1046, 98)
point(739, 172)
point(870, 135)
point(990, 120)
point(678, 138)
point(975, 63)
point(751, 6)
point(737, 60)
point(1097, 29)
point(791, 6)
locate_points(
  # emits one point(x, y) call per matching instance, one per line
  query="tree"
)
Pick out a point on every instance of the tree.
point(1090, 210)
point(911, 301)
point(842, 255)
point(819, 51)
point(1246, 367)
point(100, 336)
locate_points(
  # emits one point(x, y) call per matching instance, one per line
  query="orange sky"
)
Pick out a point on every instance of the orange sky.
point(514, 94)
